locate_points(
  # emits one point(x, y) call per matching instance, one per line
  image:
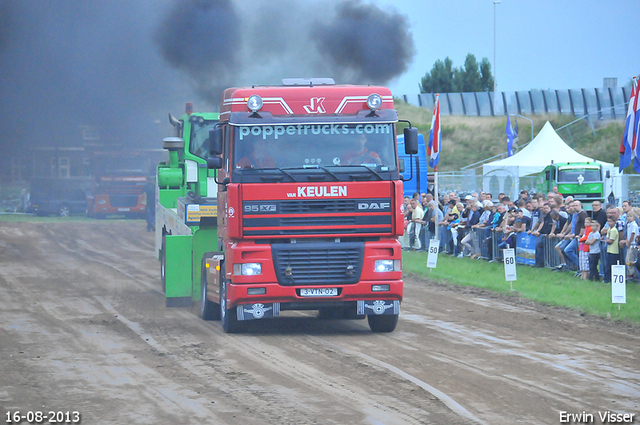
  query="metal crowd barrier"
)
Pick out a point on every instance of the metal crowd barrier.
point(495, 241)
point(551, 258)
point(481, 240)
point(485, 242)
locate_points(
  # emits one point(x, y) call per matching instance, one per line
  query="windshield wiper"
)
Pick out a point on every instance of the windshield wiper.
point(363, 166)
point(267, 177)
point(327, 170)
point(314, 167)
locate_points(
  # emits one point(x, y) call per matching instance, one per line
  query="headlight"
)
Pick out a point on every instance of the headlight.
point(387, 266)
point(254, 103)
point(247, 269)
point(380, 288)
point(374, 101)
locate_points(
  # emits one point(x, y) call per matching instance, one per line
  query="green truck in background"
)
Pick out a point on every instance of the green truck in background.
point(186, 207)
point(585, 181)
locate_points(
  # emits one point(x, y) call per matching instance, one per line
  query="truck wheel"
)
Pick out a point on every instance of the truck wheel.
point(163, 265)
point(384, 323)
point(208, 310)
point(228, 317)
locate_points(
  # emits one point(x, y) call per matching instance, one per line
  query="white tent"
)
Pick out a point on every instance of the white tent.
point(545, 148)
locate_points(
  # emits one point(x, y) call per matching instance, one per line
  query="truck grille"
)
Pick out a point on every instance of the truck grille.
point(318, 264)
point(317, 216)
point(317, 206)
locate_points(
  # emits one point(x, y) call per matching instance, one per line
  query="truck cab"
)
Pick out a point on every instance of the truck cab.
point(582, 180)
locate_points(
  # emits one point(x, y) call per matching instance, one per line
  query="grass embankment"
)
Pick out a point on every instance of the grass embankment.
point(467, 140)
point(541, 285)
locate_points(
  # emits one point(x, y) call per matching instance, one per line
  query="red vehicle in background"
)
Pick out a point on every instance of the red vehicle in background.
point(119, 182)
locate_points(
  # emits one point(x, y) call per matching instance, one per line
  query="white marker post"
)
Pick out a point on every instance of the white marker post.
point(618, 285)
point(432, 258)
point(510, 265)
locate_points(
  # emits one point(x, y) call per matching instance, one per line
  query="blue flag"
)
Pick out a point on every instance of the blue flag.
point(510, 137)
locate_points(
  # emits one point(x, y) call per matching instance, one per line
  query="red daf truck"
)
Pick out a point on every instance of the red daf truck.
point(119, 179)
point(309, 204)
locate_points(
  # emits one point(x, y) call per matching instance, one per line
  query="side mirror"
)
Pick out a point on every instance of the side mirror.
point(411, 140)
point(215, 141)
point(214, 162)
point(401, 165)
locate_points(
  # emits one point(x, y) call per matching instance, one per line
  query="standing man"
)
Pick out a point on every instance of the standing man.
point(545, 227)
point(535, 212)
point(598, 214)
point(564, 241)
point(415, 225)
point(577, 229)
point(613, 214)
point(613, 249)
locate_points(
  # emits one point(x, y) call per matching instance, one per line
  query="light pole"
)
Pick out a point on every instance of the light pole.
point(495, 94)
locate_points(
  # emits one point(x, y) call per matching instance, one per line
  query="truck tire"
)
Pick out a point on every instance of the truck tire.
point(384, 323)
point(208, 310)
point(228, 317)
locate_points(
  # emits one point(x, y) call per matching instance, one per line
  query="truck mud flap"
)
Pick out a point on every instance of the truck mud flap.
point(378, 307)
point(258, 311)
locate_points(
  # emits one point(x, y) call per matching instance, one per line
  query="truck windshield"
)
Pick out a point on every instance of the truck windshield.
point(199, 138)
point(361, 147)
point(572, 175)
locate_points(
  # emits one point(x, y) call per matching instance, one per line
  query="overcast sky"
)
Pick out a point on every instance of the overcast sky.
point(540, 44)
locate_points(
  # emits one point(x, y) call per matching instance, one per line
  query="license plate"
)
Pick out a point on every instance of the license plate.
point(124, 209)
point(319, 292)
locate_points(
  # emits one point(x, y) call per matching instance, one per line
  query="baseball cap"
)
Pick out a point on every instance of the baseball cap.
point(468, 197)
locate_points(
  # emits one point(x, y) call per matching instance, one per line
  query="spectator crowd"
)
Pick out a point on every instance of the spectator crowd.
point(566, 236)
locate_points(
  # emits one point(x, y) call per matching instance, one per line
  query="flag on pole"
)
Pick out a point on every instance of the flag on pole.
point(433, 151)
point(510, 137)
point(628, 145)
point(515, 135)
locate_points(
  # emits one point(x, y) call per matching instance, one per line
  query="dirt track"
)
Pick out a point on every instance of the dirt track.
point(83, 327)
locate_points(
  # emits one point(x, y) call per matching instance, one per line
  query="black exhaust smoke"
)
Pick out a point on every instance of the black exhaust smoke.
point(353, 42)
point(367, 42)
point(201, 37)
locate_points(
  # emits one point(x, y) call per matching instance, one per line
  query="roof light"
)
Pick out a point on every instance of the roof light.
point(374, 101)
point(254, 103)
point(196, 119)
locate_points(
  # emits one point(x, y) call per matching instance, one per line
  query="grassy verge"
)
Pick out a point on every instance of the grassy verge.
point(541, 285)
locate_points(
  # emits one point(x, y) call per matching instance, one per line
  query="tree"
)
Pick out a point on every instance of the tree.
point(472, 77)
point(486, 78)
point(440, 79)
